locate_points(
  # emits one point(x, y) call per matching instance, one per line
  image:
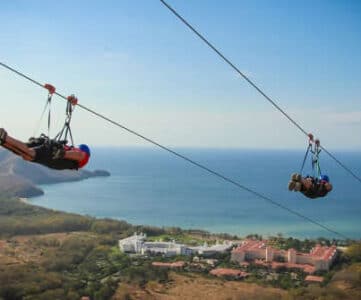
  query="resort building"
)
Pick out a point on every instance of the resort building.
point(137, 244)
point(165, 248)
point(319, 258)
point(206, 250)
point(133, 243)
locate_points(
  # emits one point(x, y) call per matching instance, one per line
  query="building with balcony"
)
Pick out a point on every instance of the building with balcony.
point(319, 258)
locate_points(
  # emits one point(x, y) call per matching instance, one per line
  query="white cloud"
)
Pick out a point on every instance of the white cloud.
point(230, 129)
point(345, 118)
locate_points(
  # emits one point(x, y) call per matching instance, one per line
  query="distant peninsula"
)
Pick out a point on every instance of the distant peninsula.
point(19, 178)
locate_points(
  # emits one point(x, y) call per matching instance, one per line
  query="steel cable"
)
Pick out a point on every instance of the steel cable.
point(193, 162)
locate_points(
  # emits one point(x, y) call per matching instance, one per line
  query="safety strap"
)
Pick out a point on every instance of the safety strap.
point(51, 90)
point(315, 160)
point(309, 148)
point(62, 136)
point(305, 158)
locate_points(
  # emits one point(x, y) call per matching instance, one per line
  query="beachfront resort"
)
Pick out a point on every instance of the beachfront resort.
point(320, 258)
point(138, 244)
point(241, 253)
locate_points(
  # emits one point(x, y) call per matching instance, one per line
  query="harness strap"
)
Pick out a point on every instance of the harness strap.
point(315, 160)
point(305, 157)
point(309, 148)
point(66, 130)
point(51, 90)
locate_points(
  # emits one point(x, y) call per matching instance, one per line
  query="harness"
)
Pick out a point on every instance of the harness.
point(45, 147)
point(62, 136)
point(313, 148)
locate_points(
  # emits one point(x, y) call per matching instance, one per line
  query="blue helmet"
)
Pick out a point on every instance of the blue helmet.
point(325, 178)
point(84, 148)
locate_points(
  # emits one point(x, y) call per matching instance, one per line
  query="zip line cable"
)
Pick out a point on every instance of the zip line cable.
point(206, 41)
point(193, 162)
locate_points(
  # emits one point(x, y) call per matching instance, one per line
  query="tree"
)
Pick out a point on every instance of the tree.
point(354, 252)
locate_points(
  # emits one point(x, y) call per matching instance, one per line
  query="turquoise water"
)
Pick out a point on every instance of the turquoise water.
point(152, 187)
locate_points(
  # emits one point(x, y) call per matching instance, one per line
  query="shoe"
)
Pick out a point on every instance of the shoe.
point(296, 177)
point(298, 186)
point(3, 135)
point(291, 185)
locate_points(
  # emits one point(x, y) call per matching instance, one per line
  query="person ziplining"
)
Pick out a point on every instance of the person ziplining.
point(53, 153)
point(315, 186)
point(191, 161)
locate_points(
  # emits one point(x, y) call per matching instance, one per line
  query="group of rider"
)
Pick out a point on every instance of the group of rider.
point(57, 154)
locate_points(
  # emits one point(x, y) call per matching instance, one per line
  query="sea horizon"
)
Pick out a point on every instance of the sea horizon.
point(148, 186)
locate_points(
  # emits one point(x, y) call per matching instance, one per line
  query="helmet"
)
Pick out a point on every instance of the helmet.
point(325, 178)
point(84, 148)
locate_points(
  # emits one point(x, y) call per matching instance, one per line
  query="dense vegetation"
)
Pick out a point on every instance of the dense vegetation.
point(57, 255)
point(85, 261)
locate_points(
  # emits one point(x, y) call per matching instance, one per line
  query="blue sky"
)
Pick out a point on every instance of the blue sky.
point(136, 63)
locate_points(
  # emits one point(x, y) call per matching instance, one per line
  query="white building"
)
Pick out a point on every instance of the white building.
point(137, 244)
point(166, 248)
point(206, 250)
point(133, 243)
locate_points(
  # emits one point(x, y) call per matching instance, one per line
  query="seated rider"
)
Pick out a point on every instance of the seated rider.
point(309, 186)
point(53, 154)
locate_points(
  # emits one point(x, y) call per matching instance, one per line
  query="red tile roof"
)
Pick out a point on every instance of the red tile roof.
point(312, 278)
point(325, 253)
point(228, 272)
point(306, 268)
point(318, 253)
point(321, 252)
point(177, 264)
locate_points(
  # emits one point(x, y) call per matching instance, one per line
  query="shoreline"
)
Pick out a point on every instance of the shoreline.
point(152, 189)
point(24, 200)
point(258, 233)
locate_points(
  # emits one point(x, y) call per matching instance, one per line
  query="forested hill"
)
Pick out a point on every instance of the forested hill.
point(20, 178)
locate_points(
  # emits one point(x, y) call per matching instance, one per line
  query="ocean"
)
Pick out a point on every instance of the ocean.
point(152, 187)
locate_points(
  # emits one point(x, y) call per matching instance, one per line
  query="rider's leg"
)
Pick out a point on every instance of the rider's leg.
point(16, 146)
point(291, 185)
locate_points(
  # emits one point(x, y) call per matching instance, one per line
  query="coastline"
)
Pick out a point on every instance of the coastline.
point(77, 249)
point(102, 205)
point(148, 187)
point(297, 230)
point(24, 200)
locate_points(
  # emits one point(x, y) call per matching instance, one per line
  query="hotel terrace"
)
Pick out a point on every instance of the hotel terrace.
point(319, 258)
point(137, 244)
